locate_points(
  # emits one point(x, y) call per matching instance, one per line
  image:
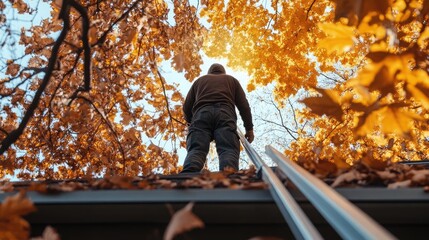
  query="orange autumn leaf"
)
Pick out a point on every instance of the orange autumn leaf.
point(327, 104)
point(356, 11)
point(92, 35)
point(12, 209)
point(20, 5)
point(178, 62)
point(420, 92)
point(339, 37)
point(396, 119)
point(12, 69)
point(176, 97)
point(182, 221)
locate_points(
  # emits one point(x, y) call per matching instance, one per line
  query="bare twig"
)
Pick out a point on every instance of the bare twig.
point(309, 9)
point(103, 37)
point(293, 112)
point(330, 78)
point(165, 94)
point(288, 130)
point(115, 134)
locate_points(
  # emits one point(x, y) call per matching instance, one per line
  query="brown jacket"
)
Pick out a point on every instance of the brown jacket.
point(217, 87)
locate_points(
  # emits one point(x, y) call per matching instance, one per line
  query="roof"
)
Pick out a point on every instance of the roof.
point(227, 213)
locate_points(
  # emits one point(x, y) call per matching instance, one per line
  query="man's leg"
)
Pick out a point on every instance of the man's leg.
point(227, 142)
point(198, 142)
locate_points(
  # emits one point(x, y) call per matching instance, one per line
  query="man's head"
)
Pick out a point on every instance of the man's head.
point(216, 68)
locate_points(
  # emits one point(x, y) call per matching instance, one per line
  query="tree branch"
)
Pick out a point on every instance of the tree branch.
point(330, 78)
point(288, 130)
point(87, 48)
point(115, 134)
point(14, 135)
point(293, 112)
point(309, 9)
point(3, 131)
point(165, 93)
point(104, 35)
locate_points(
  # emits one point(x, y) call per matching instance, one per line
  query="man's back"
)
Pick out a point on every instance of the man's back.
point(209, 109)
point(214, 88)
point(217, 87)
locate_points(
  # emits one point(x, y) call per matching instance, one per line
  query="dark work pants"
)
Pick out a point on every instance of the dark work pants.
point(214, 122)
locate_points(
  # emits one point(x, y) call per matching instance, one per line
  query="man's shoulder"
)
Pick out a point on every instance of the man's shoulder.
point(197, 80)
point(214, 77)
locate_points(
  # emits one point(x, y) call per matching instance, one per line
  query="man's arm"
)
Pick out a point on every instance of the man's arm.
point(189, 103)
point(244, 109)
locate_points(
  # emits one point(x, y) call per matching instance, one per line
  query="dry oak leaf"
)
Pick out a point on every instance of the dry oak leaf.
point(6, 187)
point(20, 5)
point(402, 184)
point(12, 69)
point(182, 221)
point(349, 176)
point(329, 103)
point(12, 225)
point(48, 234)
point(420, 177)
point(386, 175)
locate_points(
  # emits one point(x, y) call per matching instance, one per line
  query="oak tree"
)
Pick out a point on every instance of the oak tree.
point(87, 97)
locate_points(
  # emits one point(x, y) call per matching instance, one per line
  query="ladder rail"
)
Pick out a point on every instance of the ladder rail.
point(349, 221)
point(300, 225)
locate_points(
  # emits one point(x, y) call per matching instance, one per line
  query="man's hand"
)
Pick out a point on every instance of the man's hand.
point(249, 136)
point(187, 128)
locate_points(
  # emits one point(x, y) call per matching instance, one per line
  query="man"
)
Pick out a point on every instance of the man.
point(209, 110)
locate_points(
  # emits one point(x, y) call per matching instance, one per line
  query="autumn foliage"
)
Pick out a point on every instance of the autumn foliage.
point(91, 88)
point(364, 64)
point(88, 97)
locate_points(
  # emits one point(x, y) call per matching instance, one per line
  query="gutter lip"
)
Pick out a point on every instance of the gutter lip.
point(221, 195)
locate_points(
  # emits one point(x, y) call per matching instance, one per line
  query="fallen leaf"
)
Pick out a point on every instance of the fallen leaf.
point(402, 184)
point(255, 185)
point(48, 234)
point(348, 177)
point(325, 168)
point(122, 182)
point(6, 187)
point(420, 176)
point(182, 221)
point(386, 175)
